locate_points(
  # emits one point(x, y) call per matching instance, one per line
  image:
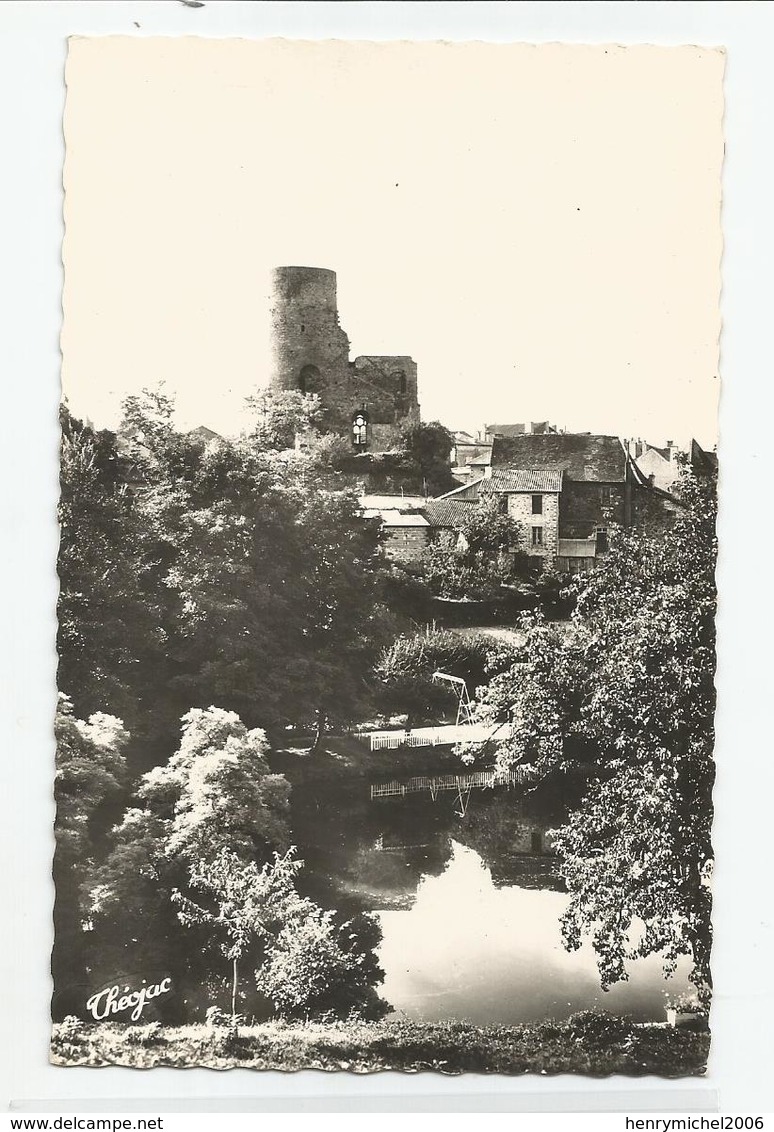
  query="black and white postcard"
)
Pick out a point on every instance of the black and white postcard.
point(386, 624)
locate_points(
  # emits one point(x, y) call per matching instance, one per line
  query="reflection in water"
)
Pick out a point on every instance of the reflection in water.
point(469, 906)
point(470, 950)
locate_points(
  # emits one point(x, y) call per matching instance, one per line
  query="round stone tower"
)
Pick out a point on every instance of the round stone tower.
point(310, 351)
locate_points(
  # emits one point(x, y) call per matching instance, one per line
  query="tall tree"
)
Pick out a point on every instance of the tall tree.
point(621, 708)
point(90, 773)
point(277, 583)
point(216, 794)
point(429, 446)
point(306, 961)
point(264, 573)
point(245, 902)
point(109, 631)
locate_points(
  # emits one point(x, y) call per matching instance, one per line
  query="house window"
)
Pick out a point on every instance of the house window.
point(605, 496)
point(537, 504)
point(601, 543)
point(537, 536)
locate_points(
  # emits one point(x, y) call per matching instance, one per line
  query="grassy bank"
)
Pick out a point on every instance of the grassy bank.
point(597, 1045)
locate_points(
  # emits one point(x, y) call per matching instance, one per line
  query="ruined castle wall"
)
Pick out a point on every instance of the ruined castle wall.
point(310, 351)
point(388, 386)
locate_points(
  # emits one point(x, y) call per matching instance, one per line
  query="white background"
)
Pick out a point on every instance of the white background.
point(32, 55)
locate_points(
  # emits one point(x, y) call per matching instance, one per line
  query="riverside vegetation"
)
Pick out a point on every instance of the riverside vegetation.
point(243, 577)
point(594, 1044)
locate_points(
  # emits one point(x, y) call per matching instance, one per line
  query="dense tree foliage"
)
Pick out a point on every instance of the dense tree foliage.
point(282, 415)
point(621, 708)
point(308, 962)
point(110, 640)
point(428, 447)
point(90, 774)
point(201, 867)
point(316, 966)
point(405, 670)
point(228, 572)
point(215, 794)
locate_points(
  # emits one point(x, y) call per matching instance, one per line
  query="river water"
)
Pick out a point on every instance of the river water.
point(469, 904)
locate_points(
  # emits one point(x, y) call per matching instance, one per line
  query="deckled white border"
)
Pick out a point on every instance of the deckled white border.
point(32, 54)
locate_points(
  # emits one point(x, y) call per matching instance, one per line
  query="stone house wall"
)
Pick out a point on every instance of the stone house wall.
point(585, 506)
point(520, 509)
point(407, 544)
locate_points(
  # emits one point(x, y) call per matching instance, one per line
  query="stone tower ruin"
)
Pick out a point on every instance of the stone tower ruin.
point(367, 399)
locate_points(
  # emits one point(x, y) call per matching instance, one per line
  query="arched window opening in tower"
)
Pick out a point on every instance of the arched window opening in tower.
point(309, 380)
point(402, 384)
point(360, 429)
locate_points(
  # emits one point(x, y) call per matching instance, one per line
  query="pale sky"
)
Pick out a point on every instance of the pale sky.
point(537, 226)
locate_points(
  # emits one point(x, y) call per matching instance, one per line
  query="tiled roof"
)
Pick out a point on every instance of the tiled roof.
point(513, 479)
point(448, 512)
point(465, 491)
point(519, 429)
point(385, 502)
point(391, 518)
point(466, 453)
point(703, 461)
point(505, 429)
point(582, 456)
point(203, 434)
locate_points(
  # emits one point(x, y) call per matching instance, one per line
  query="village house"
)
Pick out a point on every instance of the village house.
point(595, 489)
point(470, 456)
point(450, 512)
point(531, 498)
point(659, 465)
point(654, 508)
point(703, 463)
point(405, 529)
point(566, 489)
point(405, 534)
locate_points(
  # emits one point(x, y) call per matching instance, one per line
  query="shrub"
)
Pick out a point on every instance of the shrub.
point(149, 1035)
point(406, 668)
point(598, 1028)
point(315, 967)
point(69, 1030)
point(228, 1043)
point(217, 1018)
